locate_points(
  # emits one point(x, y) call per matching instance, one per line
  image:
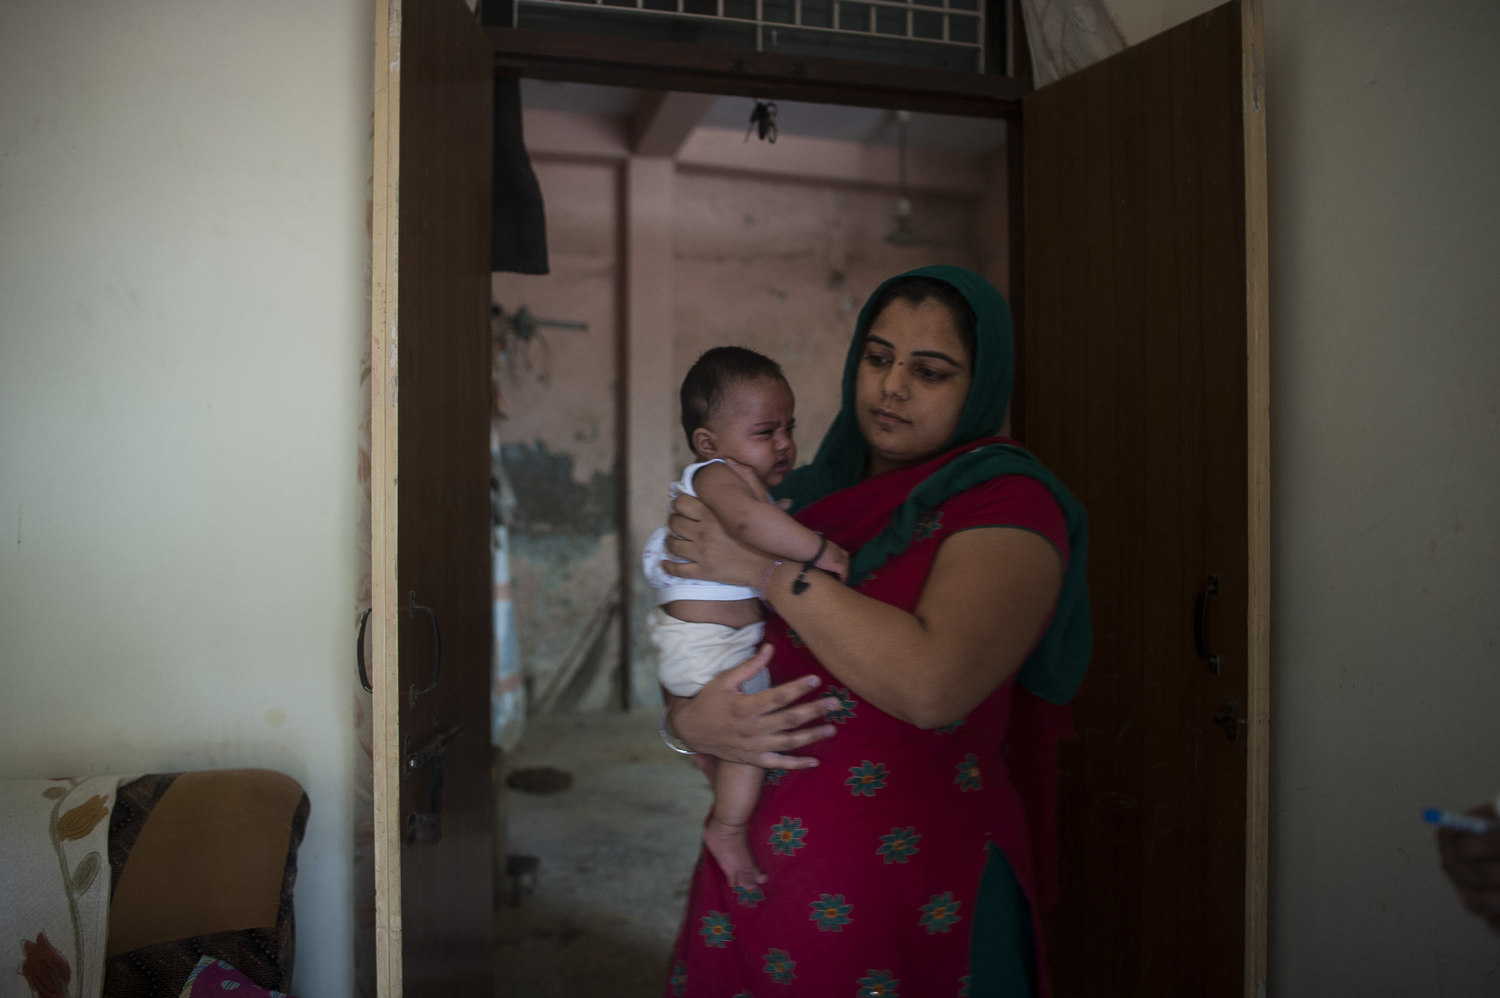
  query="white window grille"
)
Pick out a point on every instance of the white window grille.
point(841, 27)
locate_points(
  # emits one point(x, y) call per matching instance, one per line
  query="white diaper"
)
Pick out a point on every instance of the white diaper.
point(690, 654)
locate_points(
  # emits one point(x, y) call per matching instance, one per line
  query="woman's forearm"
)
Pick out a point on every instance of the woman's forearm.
point(872, 647)
point(985, 601)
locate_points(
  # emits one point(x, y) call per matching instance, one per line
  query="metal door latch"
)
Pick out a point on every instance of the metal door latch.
point(1227, 717)
point(425, 827)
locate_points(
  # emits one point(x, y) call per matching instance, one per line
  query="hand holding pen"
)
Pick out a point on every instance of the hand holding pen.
point(1472, 824)
point(1469, 845)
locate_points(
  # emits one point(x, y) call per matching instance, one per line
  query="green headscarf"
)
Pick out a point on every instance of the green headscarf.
point(1058, 663)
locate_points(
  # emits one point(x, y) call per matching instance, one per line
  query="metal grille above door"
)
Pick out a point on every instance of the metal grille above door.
point(932, 34)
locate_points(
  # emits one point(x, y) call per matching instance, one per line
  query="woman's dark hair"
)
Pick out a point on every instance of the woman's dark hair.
point(916, 290)
point(712, 375)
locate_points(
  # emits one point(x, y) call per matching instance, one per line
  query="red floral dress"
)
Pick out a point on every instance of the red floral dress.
point(874, 857)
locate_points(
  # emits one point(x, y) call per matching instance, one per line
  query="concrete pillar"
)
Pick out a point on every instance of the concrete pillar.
point(648, 396)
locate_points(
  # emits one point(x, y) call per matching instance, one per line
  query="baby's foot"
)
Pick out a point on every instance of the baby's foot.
point(727, 844)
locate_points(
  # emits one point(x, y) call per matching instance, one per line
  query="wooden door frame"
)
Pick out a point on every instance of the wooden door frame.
point(702, 69)
point(436, 57)
point(1258, 458)
point(384, 623)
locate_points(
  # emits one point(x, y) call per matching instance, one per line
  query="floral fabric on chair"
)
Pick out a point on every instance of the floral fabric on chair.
point(55, 883)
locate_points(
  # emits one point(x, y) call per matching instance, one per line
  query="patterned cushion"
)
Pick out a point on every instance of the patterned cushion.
point(203, 864)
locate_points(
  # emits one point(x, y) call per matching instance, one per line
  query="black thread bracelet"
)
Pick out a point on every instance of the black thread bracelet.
point(800, 583)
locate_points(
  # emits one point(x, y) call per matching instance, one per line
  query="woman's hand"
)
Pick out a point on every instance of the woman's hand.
point(695, 533)
point(754, 728)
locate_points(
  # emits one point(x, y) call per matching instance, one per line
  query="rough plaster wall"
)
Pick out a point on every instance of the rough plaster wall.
point(183, 268)
point(559, 443)
point(783, 267)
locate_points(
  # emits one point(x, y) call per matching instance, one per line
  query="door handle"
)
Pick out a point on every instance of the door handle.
point(412, 607)
point(1200, 624)
point(359, 651)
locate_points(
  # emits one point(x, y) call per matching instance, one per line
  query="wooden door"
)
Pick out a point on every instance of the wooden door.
point(1145, 370)
point(430, 499)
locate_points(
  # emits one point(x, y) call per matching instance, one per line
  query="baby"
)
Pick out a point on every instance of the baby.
point(737, 413)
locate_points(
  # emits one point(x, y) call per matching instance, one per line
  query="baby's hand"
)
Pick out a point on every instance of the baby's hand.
point(835, 560)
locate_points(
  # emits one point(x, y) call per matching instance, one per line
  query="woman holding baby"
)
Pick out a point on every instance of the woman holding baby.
point(907, 848)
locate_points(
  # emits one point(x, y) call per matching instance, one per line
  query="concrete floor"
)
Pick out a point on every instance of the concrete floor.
point(615, 852)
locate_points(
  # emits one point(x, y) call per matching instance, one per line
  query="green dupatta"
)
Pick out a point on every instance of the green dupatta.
point(1057, 664)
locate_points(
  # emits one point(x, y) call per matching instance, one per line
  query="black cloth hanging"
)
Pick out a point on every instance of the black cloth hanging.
point(518, 222)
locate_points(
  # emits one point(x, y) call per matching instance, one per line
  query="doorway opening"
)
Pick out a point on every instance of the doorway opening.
point(673, 226)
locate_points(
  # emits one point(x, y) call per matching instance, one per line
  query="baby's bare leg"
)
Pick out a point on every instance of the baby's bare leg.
point(736, 787)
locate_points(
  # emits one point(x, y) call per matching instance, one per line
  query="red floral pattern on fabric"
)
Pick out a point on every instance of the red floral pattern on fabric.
point(45, 969)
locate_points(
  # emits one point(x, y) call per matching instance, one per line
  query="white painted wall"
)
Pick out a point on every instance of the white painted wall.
point(183, 294)
point(1385, 310)
point(1385, 336)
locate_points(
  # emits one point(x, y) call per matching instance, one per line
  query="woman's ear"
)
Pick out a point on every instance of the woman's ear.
point(704, 442)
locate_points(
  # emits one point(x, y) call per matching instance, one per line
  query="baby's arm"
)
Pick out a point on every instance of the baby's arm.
point(753, 521)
